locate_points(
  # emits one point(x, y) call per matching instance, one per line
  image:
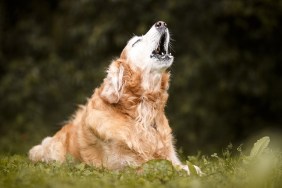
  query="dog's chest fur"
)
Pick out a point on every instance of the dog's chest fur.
point(147, 136)
point(142, 130)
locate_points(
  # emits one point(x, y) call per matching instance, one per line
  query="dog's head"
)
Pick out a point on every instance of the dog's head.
point(150, 51)
point(148, 57)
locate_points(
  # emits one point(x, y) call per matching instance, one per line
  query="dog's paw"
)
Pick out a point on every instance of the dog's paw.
point(192, 169)
point(198, 170)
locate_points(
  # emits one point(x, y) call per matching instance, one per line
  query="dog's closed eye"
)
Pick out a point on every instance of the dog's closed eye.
point(138, 40)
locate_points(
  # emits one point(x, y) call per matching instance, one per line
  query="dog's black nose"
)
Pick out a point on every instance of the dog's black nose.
point(160, 24)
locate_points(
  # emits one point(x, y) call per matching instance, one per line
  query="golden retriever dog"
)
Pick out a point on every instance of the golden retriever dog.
point(124, 122)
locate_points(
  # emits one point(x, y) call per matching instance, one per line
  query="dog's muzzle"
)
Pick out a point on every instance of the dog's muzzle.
point(161, 51)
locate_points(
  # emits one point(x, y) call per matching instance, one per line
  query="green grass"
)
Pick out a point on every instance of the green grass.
point(263, 168)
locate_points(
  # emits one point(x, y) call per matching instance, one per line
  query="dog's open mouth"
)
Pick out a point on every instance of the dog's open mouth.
point(161, 52)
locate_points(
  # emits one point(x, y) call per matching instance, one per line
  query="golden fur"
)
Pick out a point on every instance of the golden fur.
point(123, 123)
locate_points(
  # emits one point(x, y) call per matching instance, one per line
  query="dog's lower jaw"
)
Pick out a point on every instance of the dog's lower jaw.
point(161, 66)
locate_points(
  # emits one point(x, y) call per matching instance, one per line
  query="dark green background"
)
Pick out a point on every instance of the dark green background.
point(226, 79)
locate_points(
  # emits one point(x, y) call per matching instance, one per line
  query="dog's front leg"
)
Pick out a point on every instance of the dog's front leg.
point(176, 162)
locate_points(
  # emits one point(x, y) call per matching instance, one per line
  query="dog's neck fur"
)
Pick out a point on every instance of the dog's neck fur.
point(152, 95)
point(142, 95)
point(151, 80)
point(149, 90)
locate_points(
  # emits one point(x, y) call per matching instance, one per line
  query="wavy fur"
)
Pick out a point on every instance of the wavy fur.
point(123, 123)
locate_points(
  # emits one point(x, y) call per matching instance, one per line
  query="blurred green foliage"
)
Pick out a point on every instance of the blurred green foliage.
point(226, 79)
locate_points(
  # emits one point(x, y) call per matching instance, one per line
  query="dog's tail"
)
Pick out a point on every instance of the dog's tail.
point(53, 148)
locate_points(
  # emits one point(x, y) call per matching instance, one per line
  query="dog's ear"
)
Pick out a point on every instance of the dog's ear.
point(113, 83)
